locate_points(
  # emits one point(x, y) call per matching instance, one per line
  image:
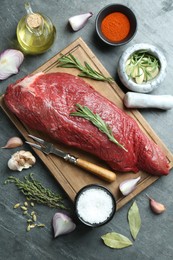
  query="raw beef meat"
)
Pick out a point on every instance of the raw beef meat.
point(45, 101)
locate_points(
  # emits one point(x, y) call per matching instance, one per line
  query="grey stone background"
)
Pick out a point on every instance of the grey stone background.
point(155, 239)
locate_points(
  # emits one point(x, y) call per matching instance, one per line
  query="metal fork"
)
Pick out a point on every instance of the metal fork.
point(49, 148)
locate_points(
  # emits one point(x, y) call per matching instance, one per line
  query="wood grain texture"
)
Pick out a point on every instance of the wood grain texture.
point(71, 177)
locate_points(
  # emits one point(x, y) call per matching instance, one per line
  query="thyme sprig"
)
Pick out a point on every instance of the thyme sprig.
point(34, 191)
point(69, 61)
point(95, 119)
point(142, 66)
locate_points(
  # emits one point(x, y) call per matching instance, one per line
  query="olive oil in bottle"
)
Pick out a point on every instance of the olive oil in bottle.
point(35, 32)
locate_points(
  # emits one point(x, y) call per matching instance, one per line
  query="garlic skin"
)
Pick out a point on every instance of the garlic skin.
point(128, 186)
point(77, 22)
point(21, 160)
point(155, 206)
point(62, 224)
point(13, 142)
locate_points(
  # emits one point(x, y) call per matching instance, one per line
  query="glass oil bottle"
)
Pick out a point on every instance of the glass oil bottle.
point(35, 32)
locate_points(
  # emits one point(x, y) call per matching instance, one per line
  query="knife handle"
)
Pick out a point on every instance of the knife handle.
point(103, 173)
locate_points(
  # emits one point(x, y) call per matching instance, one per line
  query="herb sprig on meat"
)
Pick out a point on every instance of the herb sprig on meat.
point(95, 119)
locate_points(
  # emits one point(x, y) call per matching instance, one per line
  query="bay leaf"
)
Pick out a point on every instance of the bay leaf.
point(134, 220)
point(116, 240)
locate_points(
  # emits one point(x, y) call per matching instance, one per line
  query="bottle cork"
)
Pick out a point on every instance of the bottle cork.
point(34, 20)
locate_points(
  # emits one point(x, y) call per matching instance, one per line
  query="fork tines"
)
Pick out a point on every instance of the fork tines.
point(37, 146)
point(39, 140)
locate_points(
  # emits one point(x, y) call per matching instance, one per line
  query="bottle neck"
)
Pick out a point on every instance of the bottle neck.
point(34, 23)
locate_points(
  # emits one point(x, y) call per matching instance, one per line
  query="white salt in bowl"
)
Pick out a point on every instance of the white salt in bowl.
point(95, 205)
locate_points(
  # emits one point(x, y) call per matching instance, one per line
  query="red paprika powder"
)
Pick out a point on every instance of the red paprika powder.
point(115, 26)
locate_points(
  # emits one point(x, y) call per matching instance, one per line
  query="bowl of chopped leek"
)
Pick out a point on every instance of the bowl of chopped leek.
point(142, 67)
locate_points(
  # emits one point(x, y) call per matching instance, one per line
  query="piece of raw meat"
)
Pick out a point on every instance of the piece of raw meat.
point(45, 101)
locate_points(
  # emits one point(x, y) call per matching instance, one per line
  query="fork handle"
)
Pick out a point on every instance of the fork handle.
point(103, 173)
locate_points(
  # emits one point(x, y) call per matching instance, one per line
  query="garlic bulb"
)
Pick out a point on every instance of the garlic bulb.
point(21, 160)
point(13, 142)
point(128, 186)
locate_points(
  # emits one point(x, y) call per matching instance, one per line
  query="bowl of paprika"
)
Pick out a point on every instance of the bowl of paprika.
point(116, 24)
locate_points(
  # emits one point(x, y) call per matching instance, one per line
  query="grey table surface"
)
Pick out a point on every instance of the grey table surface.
point(155, 239)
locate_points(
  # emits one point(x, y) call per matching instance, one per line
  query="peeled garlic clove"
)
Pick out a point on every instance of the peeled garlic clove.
point(62, 224)
point(129, 70)
point(140, 77)
point(135, 73)
point(77, 22)
point(155, 206)
point(152, 72)
point(13, 142)
point(128, 186)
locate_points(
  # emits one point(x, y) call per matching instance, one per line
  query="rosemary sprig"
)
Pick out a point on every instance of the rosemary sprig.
point(95, 119)
point(34, 191)
point(69, 61)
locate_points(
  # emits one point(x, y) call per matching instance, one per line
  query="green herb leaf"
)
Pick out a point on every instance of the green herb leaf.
point(69, 61)
point(95, 119)
point(116, 240)
point(134, 220)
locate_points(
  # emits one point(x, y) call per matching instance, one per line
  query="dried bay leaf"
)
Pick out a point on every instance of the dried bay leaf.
point(116, 240)
point(134, 220)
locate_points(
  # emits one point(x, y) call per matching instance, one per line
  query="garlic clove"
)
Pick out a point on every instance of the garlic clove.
point(62, 224)
point(128, 186)
point(155, 206)
point(21, 162)
point(129, 68)
point(134, 74)
point(152, 73)
point(13, 165)
point(77, 22)
point(140, 77)
point(13, 142)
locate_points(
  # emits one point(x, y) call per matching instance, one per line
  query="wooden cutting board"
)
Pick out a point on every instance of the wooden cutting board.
point(70, 177)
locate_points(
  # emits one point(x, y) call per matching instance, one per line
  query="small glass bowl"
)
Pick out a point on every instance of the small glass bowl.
point(93, 204)
point(111, 9)
point(150, 85)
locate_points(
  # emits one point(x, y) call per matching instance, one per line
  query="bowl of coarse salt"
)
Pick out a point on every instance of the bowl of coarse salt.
point(95, 205)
